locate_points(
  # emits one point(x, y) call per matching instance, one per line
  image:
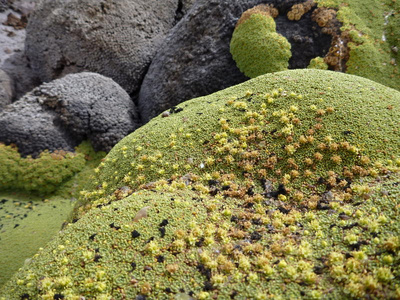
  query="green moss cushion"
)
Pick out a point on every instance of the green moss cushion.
point(283, 187)
point(256, 47)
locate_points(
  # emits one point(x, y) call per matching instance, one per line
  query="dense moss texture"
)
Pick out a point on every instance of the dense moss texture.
point(365, 39)
point(27, 223)
point(371, 31)
point(41, 175)
point(28, 219)
point(283, 187)
point(257, 48)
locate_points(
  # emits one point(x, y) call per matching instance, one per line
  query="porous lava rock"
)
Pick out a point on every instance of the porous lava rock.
point(64, 112)
point(194, 59)
point(114, 38)
point(6, 89)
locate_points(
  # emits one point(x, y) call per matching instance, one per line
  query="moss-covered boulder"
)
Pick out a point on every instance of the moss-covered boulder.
point(355, 37)
point(256, 47)
point(290, 126)
point(283, 187)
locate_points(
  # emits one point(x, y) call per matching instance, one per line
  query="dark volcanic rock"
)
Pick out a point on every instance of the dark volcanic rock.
point(62, 113)
point(6, 89)
point(114, 38)
point(195, 60)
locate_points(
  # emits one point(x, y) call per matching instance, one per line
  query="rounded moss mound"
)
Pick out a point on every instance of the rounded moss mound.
point(291, 126)
point(256, 47)
point(318, 63)
point(283, 187)
point(41, 175)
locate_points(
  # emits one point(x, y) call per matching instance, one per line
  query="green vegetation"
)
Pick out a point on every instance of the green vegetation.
point(256, 47)
point(45, 174)
point(318, 63)
point(283, 187)
point(365, 39)
point(27, 223)
point(372, 31)
point(29, 220)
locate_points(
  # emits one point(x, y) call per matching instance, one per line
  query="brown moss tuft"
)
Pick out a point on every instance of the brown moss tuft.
point(298, 10)
point(262, 9)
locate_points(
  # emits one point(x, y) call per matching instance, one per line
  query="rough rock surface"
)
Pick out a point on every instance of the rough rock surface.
point(194, 59)
point(6, 89)
point(64, 112)
point(114, 38)
point(12, 44)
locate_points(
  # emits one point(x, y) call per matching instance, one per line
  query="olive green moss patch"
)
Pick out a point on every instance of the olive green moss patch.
point(290, 127)
point(257, 48)
point(365, 39)
point(42, 175)
point(175, 242)
point(26, 224)
point(283, 187)
point(371, 30)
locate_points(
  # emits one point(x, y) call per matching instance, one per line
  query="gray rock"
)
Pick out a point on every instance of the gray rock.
point(62, 113)
point(194, 59)
point(22, 75)
point(6, 89)
point(3, 5)
point(114, 38)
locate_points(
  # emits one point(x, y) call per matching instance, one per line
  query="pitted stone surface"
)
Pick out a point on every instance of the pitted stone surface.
point(62, 113)
point(114, 38)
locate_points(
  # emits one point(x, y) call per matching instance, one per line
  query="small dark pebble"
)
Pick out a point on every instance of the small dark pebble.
point(162, 231)
point(255, 236)
point(200, 242)
point(168, 290)
point(141, 297)
point(208, 286)
point(348, 132)
point(133, 265)
point(283, 210)
point(234, 219)
point(350, 226)
point(135, 234)
point(164, 223)
point(97, 257)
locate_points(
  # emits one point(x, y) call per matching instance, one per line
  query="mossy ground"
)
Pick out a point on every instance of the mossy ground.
point(283, 187)
point(26, 224)
point(37, 196)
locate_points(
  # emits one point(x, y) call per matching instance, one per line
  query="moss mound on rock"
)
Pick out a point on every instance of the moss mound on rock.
point(282, 187)
point(176, 243)
point(298, 124)
point(44, 174)
point(365, 39)
point(256, 47)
